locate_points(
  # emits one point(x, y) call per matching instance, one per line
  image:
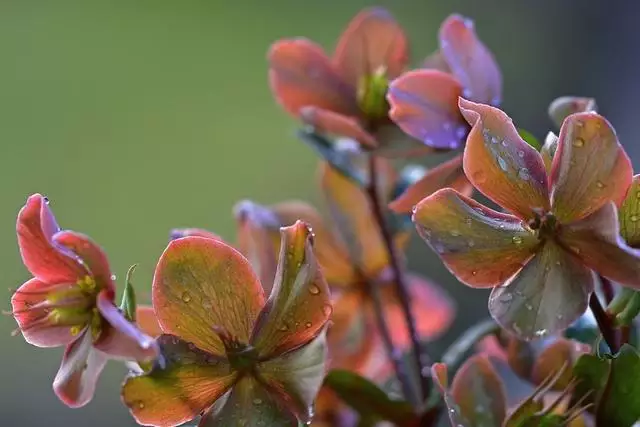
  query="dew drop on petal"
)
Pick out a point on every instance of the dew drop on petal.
point(503, 164)
point(454, 233)
point(600, 185)
point(284, 327)
point(471, 243)
point(516, 239)
point(327, 309)
point(113, 277)
point(521, 154)
point(480, 177)
point(540, 332)
point(257, 401)
point(523, 173)
point(528, 306)
point(474, 273)
point(186, 297)
point(140, 404)
point(578, 142)
point(307, 325)
point(314, 290)
point(494, 140)
point(634, 218)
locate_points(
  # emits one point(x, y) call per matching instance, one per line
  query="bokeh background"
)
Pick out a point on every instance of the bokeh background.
point(134, 117)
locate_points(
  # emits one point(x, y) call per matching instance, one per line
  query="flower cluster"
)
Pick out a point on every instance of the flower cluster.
point(312, 319)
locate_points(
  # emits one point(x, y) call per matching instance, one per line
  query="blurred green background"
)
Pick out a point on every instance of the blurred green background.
point(134, 117)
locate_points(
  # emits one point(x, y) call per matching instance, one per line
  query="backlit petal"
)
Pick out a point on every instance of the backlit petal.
point(589, 169)
point(296, 377)
point(300, 302)
point(81, 366)
point(547, 296)
point(301, 74)
point(329, 122)
point(424, 104)
point(189, 381)
point(597, 242)
point(470, 61)
point(373, 40)
point(147, 321)
point(548, 150)
point(500, 164)
point(36, 226)
point(178, 233)
point(446, 175)
point(480, 246)
point(202, 283)
point(552, 358)
point(563, 107)
point(629, 214)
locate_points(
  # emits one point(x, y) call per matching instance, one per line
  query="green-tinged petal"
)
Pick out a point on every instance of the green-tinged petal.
point(500, 164)
point(249, 404)
point(562, 107)
point(480, 246)
point(545, 297)
point(479, 393)
point(185, 382)
point(551, 359)
point(590, 167)
point(201, 284)
point(441, 379)
point(295, 377)
point(372, 41)
point(548, 150)
point(596, 241)
point(629, 214)
point(300, 303)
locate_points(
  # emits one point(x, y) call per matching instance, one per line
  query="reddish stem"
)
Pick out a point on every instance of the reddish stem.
point(604, 323)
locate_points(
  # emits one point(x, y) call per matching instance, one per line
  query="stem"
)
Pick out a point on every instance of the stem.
point(604, 323)
point(607, 290)
point(398, 276)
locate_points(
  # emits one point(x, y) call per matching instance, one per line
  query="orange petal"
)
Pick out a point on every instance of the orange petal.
point(200, 284)
point(480, 246)
point(545, 297)
point(300, 304)
point(596, 241)
point(500, 164)
point(301, 74)
point(190, 381)
point(589, 169)
point(329, 122)
point(630, 214)
point(446, 175)
point(147, 321)
point(552, 358)
point(424, 104)
point(372, 40)
point(470, 61)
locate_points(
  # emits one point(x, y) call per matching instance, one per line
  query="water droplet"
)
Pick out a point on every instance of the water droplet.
point(523, 173)
point(454, 233)
point(516, 239)
point(140, 405)
point(113, 277)
point(257, 401)
point(528, 306)
point(46, 200)
point(600, 185)
point(540, 332)
point(474, 273)
point(307, 325)
point(521, 154)
point(494, 140)
point(186, 297)
point(504, 142)
point(503, 164)
point(314, 290)
point(327, 309)
point(471, 243)
point(578, 142)
point(479, 177)
point(634, 218)
point(284, 327)
point(559, 317)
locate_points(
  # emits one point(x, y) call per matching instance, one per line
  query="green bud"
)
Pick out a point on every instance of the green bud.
point(128, 304)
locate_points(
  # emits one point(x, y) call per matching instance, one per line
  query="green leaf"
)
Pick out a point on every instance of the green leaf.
point(620, 401)
point(128, 304)
point(530, 139)
point(368, 399)
point(591, 372)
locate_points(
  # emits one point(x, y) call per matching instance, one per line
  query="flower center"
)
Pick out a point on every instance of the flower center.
point(545, 225)
point(372, 91)
point(242, 357)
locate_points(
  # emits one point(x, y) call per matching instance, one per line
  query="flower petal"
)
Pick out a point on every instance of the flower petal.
point(351, 212)
point(552, 358)
point(249, 404)
point(587, 142)
point(479, 392)
point(296, 377)
point(373, 40)
point(202, 283)
point(548, 150)
point(563, 107)
point(432, 310)
point(446, 175)
point(547, 296)
point(329, 122)
point(178, 233)
point(190, 381)
point(147, 321)
point(300, 303)
point(500, 164)
point(597, 242)
point(470, 61)
point(30, 309)
point(81, 366)
point(436, 61)
point(122, 340)
point(424, 104)
point(629, 214)
point(301, 74)
point(91, 255)
point(480, 246)
point(36, 226)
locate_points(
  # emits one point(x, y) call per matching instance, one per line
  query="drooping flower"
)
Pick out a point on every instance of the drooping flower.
point(70, 302)
point(226, 351)
point(562, 224)
point(424, 103)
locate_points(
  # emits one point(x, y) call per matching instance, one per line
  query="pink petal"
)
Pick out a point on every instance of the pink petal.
point(36, 226)
point(178, 233)
point(81, 366)
point(147, 321)
point(329, 122)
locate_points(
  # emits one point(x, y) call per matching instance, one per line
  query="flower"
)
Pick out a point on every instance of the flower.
point(424, 103)
point(70, 302)
point(226, 351)
point(562, 227)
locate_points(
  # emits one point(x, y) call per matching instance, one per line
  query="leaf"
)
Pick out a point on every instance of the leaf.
point(620, 402)
point(367, 399)
point(592, 373)
point(530, 138)
point(128, 305)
